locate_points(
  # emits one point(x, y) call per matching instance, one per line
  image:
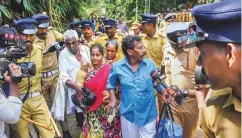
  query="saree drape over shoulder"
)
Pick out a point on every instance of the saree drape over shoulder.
point(96, 124)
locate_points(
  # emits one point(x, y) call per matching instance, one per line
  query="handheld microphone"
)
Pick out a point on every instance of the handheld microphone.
point(158, 79)
point(55, 46)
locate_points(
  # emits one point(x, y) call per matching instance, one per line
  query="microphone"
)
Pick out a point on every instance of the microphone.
point(158, 79)
point(55, 46)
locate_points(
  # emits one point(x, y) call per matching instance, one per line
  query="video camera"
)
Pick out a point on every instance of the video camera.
point(12, 48)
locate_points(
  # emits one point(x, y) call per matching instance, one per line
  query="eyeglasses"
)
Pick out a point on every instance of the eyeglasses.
point(140, 48)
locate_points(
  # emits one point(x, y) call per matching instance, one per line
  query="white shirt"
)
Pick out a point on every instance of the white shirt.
point(68, 66)
point(10, 109)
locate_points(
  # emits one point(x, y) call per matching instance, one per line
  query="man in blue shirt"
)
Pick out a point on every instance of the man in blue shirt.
point(138, 108)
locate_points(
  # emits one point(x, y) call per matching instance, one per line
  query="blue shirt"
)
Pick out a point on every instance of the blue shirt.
point(138, 102)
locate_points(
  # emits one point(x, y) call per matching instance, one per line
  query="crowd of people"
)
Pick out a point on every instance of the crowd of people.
point(107, 80)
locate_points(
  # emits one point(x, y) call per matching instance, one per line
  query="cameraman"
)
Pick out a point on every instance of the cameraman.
point(10, 107)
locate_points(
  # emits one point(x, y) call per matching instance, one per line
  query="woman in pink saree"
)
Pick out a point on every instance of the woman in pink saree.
point(96, 124)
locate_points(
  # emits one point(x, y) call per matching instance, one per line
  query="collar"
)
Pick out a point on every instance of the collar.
point(235, 101)
point(125, 61)
point(232, 100)
point(115, 37)
point(37, 39)
point(92, 38)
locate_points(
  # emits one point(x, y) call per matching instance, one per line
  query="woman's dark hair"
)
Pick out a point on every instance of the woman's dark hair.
point(112, 42)
point(98, 46)
point(128, 43)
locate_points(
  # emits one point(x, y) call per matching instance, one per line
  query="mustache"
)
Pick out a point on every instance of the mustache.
point(43, 33)
point(86, 33)
point(28, 41)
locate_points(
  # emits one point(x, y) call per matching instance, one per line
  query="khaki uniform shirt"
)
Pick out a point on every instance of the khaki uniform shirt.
point(163, 25)
point(103, 39)
point(87, 42)
point(50, 60)
point(154, 47)
point(179, 68)
point(221, 115)
point(35, 81)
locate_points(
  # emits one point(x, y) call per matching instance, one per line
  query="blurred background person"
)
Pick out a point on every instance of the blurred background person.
point(93, 18)
point(122, 27)
point(76, 25)
point(136, 27)
point(170, 18)
point(111, 33)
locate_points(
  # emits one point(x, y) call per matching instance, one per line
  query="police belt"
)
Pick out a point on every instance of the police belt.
point(31, 95)
point(49, 74)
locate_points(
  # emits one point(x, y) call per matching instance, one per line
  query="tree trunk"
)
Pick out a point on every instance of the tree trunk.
point(49, 12)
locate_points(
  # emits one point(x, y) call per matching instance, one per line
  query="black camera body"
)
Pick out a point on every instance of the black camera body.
point(84, 103)
point(14, 48)
point(200, 75)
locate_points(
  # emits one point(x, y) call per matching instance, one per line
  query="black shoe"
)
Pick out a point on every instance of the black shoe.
point(66, 134)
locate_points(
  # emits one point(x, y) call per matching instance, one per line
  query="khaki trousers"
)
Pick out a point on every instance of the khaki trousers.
point(35, 109)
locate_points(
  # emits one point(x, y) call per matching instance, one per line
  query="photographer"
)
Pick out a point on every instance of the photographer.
point(10, 107)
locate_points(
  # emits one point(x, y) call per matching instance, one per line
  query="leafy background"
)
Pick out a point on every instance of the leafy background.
point(62, 12)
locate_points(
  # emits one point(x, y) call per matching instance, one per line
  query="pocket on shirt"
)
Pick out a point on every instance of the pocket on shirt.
point(144, 83)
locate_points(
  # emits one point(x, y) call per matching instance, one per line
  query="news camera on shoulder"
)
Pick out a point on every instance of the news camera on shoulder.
point(13, 47)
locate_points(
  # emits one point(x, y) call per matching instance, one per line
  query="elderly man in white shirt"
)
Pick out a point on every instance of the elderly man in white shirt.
point(70, 60)
point(10, 108)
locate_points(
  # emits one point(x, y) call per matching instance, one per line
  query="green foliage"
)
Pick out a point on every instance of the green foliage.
point(5, 11)
point(64, 11)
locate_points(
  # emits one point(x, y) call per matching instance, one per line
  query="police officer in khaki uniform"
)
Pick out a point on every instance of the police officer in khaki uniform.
point(34, 107)
point(152, 39)
point(46, 38)
point(110, 34)
point(76, 25)
point(179, 69)
point(87, 32)
point(136, 27)
point(153, 42)
point(171, 17)
point(220, 53)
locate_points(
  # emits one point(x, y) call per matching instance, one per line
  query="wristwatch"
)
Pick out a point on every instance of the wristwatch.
point(185, 93)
